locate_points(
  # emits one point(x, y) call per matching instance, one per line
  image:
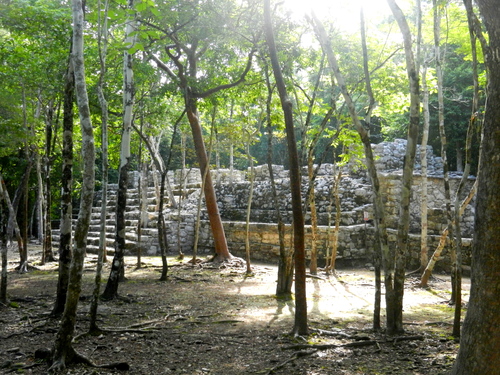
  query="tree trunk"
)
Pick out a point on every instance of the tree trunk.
point(65, 229)
point(101, 254)
point(468, 143)
point(182, 184)
point(3, 247)
point(285, 262)
point(12, 219)
point(313, 265)
point(103, 48)
point(251, 172)
point(117, 266)
point(16, 203)
point(382, 246)
point(23, 224)
point(395, 315)
point(47, 245)
point(379, 245)
point(63, 349)
point(162, 229)
point(40, 205)
point(221, 249)
point(442, 136)
point(300, 325)
point(424, 249)
point(334, 196)
point(143, 207)
point(480, 337)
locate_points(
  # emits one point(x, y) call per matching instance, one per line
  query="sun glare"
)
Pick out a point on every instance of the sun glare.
point(344, 13)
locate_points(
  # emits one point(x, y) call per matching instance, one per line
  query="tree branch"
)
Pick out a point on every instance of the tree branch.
point(228, 85)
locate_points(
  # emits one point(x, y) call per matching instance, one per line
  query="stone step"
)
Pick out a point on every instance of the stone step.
point(110, 242)
point(149, 234)
point(92, 249)
point(96, 227)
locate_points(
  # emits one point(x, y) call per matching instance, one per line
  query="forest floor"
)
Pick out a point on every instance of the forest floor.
point(215, 320)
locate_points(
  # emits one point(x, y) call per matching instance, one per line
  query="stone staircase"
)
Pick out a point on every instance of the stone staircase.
point(180, 224)
point(149, 231)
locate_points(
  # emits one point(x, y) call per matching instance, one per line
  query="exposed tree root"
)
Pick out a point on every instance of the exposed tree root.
point(73, 357)
point(225, 262)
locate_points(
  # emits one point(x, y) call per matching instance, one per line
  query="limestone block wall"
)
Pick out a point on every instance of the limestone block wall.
point(355, 243)
point(356, 240)
point(436, 215)
point(356, 236)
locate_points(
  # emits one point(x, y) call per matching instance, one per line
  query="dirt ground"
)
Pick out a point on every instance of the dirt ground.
point(216, 320)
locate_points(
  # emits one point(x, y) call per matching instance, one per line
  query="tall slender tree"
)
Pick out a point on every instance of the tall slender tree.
point(285, 262)
point(300, 325)
point(480, 337)
point(63, 348)
point(65, 229)
point(3, 247)
point(102, 44)
point(117, 266)
point(395, 321)
point(379, 209)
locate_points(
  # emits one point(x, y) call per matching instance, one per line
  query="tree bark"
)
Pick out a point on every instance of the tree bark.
point(382, 245)
point(395, 315)
point(117, 266)
point(221, 249)
point(379, 247)
point(443, 139)
point(13, 221)
point(480, 340)
point(3, 247)
point(162, 229)
point(300, 325)
point(424, 249)
point(65, 229)
point(285, 262)
point(251, 172)
point(47, 245)
point(311, 199)
point(63, 349)
point(101, 254)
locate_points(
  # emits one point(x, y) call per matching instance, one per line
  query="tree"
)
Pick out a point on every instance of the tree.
point(395, 299)
point(65, 229)
point(480, 339)
point(63, 349)
point(117, 266)
point(285, 262)
point(102, 41)
point(3, 247)
point(300, 325)
point(442, 134)
point(424, 256)
point(379, 209)
point(188, 47)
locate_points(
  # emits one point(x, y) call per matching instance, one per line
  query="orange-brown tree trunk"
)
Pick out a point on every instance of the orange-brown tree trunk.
point(221, 249)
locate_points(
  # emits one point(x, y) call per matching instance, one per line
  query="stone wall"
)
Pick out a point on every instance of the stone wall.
point(355, 235)
point(355, 244)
